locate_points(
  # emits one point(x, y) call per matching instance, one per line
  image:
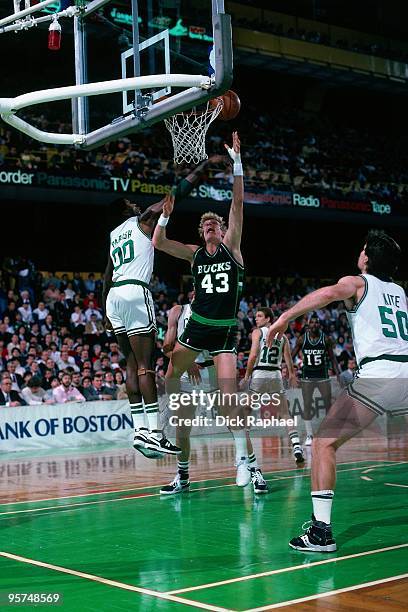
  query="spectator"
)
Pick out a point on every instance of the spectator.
point(110, 383)
point(33, 393)
point(16, 379)
point(99, 391)
point(92, 310)
point(9, 397)
point(93, 329)
point(76, 380)
point(62, 310)
point(78, 321)
point(66, 361)
point(65, 392)
point(87, 390)
point(347, 376)
point(49, 394)
point(40, 313)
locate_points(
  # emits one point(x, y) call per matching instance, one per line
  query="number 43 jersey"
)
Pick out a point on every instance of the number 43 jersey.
point(218, 281)
point(379, 322)
point(132, 252)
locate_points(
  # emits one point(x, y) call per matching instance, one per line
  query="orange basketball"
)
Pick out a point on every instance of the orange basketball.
point(231, 105)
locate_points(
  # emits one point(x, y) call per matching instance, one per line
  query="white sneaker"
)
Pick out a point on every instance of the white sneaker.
point(309, 440)
point(243, 473)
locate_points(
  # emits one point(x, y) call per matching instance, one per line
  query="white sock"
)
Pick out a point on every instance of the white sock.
point(308, 427)
point(152, 411)
point(137, 413)
point(322, 505)
point(241, 449)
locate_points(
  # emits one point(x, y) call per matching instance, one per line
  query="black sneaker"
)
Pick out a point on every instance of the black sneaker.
point(161, 445)
point(176, 486)
point(317, 537)
point(258, 481)
point(298, 453)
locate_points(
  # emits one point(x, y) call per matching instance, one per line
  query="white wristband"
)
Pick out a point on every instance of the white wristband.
point(163, 221)
point(238, 170)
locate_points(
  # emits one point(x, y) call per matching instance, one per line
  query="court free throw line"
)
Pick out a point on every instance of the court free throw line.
point(282, 570)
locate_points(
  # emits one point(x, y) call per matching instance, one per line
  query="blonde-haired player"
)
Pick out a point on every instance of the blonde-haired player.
point(218, 270)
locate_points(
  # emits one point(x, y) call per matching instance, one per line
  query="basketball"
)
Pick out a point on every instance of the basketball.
point(231, 105)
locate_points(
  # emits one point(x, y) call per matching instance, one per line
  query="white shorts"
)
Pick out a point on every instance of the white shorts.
point(130, 309)
point(382, 386)
point(267, 382)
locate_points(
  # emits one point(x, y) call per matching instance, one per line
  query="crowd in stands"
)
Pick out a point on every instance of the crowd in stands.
point(54, 347)
point(289, 150)
point(394, 52)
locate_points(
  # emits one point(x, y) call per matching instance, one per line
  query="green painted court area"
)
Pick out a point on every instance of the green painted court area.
point(218, 547)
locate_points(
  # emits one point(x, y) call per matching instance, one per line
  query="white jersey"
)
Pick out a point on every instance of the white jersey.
point(269, 359)
point(132, 252)
point(379, 322)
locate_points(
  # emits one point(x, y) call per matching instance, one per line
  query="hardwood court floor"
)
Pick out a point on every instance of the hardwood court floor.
point(92, 526)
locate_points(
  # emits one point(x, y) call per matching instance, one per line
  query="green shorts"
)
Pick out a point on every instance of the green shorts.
point(214, 339)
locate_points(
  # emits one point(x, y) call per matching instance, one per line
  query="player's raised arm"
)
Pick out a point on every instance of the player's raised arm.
point(232, 238)
point(171, 333)
point(149, 217)
point(347, 288)
point(160, 240)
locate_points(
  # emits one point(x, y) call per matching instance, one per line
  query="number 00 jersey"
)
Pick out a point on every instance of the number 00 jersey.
point(132, 252)
point(218, 280)
point(314, 357)
point(379, 322)
point(269, 359)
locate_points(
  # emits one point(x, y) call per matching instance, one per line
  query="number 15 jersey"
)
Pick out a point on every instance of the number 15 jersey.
point(218, 281)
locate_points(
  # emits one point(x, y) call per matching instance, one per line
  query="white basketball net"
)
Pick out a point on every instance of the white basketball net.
point(188, 132)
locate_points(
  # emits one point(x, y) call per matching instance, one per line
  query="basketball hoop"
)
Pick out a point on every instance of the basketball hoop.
point(188, 132)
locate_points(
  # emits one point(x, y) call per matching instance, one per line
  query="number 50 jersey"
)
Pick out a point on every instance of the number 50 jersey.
point(379, 322)
point(218, 281)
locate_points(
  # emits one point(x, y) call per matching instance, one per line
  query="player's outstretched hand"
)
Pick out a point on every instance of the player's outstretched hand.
point(276, 330)
point(168, 205)
point(235, 151)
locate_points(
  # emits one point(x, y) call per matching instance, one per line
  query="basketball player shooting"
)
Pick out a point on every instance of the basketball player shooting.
point(129, 309)
point(218, 271)
point(378, 316)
